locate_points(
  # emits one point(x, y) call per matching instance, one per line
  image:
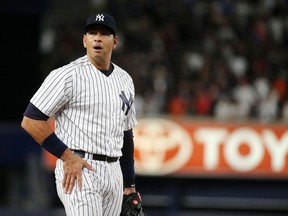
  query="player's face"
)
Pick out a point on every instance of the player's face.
point(99, 43)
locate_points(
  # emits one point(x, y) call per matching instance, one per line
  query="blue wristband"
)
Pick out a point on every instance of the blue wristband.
point(54, 145)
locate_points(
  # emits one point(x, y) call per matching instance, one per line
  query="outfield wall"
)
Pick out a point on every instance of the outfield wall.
point(182, 165)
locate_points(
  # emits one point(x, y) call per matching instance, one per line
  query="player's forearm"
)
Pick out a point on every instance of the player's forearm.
point(127, 160)
point(42, 133)
point(38, 129)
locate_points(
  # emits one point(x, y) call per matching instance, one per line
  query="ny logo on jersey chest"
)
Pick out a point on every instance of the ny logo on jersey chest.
point(126, 103)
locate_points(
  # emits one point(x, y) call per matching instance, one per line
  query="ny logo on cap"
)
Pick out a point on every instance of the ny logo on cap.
point(99, 17)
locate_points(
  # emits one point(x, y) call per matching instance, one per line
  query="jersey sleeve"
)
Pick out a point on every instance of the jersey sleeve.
point(54, 92)
point(131, 120)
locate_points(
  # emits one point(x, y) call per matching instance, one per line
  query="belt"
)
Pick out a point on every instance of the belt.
point(98, 157)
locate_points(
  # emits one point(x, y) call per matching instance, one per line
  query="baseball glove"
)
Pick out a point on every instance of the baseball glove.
point(132, 205)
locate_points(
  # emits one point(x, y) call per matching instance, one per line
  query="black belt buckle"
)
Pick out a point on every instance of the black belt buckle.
point(105, 158)
point(79, 153)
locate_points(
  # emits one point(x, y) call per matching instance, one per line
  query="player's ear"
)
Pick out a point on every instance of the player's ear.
point(115, 41)
point(84, 41)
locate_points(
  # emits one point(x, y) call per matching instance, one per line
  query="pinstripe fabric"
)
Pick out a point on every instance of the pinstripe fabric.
point(101, 192)
point(87, 106)
point(91, 113)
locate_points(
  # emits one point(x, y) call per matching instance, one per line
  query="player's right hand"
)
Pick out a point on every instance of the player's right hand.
point(72, 166)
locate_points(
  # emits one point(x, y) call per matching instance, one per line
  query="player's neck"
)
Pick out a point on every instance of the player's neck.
point(99, 63)
point(109, 71)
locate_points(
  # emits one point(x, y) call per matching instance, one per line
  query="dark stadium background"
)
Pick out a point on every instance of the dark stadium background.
point(24, 188)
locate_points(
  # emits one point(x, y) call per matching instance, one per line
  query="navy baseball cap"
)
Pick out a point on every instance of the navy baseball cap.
point(101, 19)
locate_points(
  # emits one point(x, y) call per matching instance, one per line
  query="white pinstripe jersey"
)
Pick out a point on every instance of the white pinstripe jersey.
point(91, 110)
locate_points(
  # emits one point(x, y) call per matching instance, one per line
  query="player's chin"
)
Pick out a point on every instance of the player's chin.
point(97, 51)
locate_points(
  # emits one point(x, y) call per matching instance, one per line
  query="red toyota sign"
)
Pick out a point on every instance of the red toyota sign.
point(207, 148)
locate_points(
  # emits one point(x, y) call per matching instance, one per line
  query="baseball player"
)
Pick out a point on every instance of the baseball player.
point(91, 100)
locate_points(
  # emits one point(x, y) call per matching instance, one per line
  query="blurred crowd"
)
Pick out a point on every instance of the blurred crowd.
point(225, 59)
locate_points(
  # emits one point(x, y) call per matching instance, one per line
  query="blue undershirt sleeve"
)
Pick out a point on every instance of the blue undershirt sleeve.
point(127, 159)
point(34, 113)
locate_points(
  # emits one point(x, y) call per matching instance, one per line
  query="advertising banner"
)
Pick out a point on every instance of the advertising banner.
point(166, 146)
